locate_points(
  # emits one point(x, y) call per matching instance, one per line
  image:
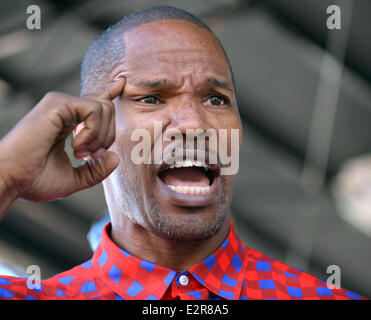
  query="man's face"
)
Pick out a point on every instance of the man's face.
point(177, 75)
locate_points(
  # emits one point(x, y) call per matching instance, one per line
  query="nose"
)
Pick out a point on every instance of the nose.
point(187, 115)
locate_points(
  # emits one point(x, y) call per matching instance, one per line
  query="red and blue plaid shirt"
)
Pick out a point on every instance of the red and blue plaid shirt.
point(233, 271)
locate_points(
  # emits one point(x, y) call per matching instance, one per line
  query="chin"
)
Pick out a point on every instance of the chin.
point(190, 226)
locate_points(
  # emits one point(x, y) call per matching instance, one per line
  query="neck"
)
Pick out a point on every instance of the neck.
point(176, 255)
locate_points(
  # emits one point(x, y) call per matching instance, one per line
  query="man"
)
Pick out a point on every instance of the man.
point(170, 235)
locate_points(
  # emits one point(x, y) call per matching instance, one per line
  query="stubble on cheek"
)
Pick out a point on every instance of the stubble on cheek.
point(126, 182)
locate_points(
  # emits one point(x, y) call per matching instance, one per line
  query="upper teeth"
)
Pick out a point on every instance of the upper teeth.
point(188, 163)
point(190, 189)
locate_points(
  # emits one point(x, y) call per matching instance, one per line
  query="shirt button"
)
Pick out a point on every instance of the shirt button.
point(183, 279)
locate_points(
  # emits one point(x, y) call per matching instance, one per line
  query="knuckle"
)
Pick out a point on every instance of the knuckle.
point(97, 105)
point(96, 173)
point(93, 131)
point(96, 143)
point(107, 111)
point(52, 96)
point(94, 105)
point(110, 105)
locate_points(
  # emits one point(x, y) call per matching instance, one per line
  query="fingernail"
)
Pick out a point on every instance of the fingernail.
point(99, 153)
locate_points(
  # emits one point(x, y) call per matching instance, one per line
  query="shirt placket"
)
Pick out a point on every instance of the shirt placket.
point(184, 284)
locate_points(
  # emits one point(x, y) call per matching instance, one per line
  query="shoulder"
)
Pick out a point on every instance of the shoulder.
point(267, 278)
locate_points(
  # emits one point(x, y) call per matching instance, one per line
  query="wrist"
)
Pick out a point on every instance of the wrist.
point(7, 197)
point(8, 192)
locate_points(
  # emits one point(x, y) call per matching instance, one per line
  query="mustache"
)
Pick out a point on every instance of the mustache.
point(190, 149)
point(210, 146)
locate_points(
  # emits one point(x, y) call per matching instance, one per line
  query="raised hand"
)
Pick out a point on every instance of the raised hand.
point(33, 161)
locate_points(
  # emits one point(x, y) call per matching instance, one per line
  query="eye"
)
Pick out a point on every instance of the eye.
point(216, 100)
point(149, 100)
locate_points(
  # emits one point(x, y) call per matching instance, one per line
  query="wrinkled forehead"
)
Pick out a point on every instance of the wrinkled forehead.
point(171, 47)
point(174, 33)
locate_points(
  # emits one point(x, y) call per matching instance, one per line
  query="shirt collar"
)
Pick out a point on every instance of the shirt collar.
point(133, 278)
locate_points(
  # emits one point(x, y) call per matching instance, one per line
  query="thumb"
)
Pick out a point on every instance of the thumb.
point(94, 171)
point(112, 90)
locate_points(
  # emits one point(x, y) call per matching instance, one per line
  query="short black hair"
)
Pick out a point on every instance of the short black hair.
point(108, 49)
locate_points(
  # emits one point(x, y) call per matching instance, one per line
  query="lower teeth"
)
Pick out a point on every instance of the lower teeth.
point(190, 190)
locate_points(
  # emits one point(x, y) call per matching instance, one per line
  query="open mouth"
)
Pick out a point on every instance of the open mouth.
point(188, 176)
point(189, 183)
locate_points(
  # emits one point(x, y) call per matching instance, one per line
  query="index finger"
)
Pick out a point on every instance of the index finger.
point(112, 89)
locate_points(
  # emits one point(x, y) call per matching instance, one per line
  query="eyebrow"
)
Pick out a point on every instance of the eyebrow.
point(157, 83)
point(149, 84)
point(220, 84)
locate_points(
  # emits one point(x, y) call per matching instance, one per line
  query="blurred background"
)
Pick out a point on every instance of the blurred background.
point(303, 192)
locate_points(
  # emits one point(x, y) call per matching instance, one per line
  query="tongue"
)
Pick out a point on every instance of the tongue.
point(191, 176)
